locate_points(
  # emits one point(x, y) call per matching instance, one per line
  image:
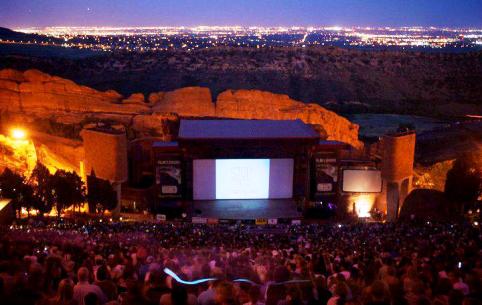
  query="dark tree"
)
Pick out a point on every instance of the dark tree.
point(44, 188)
point(100, 194)
point(463, 184)
point(15, 187)
point(68, 190)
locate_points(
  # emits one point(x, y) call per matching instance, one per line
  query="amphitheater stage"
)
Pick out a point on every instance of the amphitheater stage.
point(246, 209)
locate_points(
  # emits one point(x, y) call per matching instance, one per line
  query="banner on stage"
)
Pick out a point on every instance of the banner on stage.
point(199, 220)
point(261, 221)
point(161, 217)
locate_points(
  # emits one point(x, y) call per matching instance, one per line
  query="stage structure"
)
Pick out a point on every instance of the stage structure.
point(255, 167)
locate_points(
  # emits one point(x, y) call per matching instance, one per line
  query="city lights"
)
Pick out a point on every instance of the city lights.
point(145, 39)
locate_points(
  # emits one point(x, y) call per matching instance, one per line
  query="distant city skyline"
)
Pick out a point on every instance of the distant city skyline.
point(41, 13)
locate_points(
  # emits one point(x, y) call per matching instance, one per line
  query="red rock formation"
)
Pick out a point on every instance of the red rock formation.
point(255, 104)
point(189, 101)
point(34, 91)
point(33, 94)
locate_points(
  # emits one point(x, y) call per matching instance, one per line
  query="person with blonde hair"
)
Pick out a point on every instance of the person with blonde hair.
point(65, 294)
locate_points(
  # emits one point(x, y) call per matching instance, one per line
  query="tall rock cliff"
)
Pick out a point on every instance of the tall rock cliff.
point(48, 102)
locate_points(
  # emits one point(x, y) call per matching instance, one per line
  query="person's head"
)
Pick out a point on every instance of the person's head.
point(341, 290)
point(65, 291)
point(103, 273)
point(444, 286)
point(281, 274)
point(378, 291)
point(423, 301)
point(83, 274)
point(91, 299)
point(293, 295)
point(179, 294)
point(225, 293)
point(456, 297)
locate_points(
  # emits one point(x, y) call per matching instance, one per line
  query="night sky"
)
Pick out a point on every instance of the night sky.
point(454, 13)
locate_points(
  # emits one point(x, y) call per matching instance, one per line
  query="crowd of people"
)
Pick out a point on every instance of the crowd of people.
point(194, 264)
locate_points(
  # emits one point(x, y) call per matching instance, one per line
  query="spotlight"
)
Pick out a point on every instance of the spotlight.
point(18, 133)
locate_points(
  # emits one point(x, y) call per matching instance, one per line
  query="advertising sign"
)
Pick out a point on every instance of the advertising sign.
point(199, 220)
point(326, 172)
point(261, 221)
point(168, 177)
point(161, 217)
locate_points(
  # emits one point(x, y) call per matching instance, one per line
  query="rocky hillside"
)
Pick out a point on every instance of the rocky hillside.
point(339, 79)
point(61, 107)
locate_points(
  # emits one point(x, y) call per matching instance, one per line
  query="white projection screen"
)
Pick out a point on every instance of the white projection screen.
point(362, 181)
point(242, 179)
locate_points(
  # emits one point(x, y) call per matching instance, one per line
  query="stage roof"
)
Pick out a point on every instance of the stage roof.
point(245, 129)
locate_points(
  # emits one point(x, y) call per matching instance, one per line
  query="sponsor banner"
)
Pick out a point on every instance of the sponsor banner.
point(168, 177)
point(199, 220)
point(296, 222)
point(161, 217)
point(261, 221)
point(324, 187)
point(326, 172)
point(273, 221)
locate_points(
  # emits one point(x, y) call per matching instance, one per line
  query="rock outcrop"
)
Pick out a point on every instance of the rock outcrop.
point(34, 91)
point(190, 101)
point(37, 96)
point(255, 104)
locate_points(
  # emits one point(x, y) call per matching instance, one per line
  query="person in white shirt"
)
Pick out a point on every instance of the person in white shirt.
point(83, 288)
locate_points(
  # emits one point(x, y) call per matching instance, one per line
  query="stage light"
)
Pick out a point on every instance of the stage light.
point(363, 206)
point(18, 134)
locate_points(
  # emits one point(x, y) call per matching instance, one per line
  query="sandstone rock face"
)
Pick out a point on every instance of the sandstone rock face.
point(136, 98)
point(156, 124)
point(189, 101)
point(58, 153)
point(36, 96)
point(34, 91)
point(254, 104)
point(156, 97)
